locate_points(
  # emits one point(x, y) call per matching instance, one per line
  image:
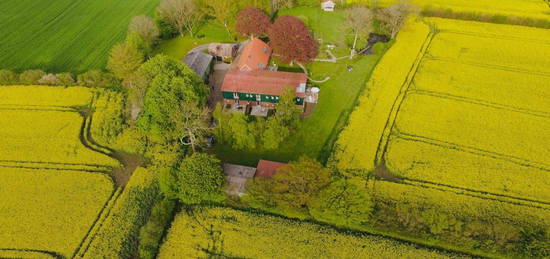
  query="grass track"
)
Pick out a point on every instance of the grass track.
point(64, 35)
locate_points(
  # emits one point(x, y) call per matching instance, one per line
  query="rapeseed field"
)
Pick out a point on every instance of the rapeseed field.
point(238, 234)
point(49, 210)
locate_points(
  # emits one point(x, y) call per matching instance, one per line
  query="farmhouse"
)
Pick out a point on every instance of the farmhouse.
point(328, 5)
point(251, 83)
point(199, 62)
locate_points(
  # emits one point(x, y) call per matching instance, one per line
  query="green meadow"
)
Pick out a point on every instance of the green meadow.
point(64, 35)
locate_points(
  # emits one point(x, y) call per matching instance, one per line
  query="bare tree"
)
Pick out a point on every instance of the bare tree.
point(184, 15)
point(394, 17)
point(146, 28)
point(359, 20)
point(192, 124)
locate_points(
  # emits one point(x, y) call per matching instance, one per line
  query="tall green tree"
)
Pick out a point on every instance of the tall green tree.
point(124, 61)
point(292, 187)
point(240, 131)
point(168, 83)
point(197, 179)
point(344, 203)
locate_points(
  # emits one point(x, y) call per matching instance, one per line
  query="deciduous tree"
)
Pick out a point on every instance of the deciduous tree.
point(252, 22)
point(146, 28)
point(394, 17)
point(97, 78)
point(293, 186)
point(240, 132)
point(198, 178)
point(344, 203)
point(191, 123)
point(223, 11)
point(359, 20)
point(292, 41)
point(124, 61)
point(31, 77)
point(8, 77)
point(184, 15)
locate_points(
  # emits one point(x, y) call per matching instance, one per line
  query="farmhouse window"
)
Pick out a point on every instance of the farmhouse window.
point(258, 97)
point(236, 96)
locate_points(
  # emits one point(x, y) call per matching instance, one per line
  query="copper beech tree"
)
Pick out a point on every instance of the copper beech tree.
point(292, 41)
point(252, 22)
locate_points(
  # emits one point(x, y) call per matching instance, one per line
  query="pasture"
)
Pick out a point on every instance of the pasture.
point(64, 35)
point(54, 179)
point(465, 121)
point(231, 233)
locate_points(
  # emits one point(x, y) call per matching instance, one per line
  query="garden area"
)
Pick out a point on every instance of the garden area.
point(317, 133)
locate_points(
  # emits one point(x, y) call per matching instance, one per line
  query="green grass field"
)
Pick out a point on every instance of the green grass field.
point(64, 35)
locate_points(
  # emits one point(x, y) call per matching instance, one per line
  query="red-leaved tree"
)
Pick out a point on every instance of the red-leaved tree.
point(252, 21)
point(292, 41)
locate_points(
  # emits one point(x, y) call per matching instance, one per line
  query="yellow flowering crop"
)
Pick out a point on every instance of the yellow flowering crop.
point(521, 8)
point(357, 144)
point(239, 234)
point(49, 210)
point(44, 96)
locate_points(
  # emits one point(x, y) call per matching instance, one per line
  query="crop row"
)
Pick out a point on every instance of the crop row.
point(433, 163)
point(225, 232)
point(46, 136)
point(461, 204)
point(492, 51)
point(355, 150)
point(72, 202)
point(519, 91)
point(495, 130)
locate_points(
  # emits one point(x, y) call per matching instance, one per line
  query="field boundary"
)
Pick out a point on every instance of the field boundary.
point(396, 106)
point(51, 254)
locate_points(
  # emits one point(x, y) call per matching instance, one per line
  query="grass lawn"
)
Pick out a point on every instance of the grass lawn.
point(337, 98)
point(64, 35)
point(179, 46)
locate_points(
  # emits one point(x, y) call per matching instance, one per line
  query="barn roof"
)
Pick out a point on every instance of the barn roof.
point(236, 176)
point(199, 62)
point(267, 169)
point(264, 82)
point(254, 56)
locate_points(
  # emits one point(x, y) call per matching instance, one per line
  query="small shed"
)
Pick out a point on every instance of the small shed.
point(236, 176)
point(266, 169)
point(199, 62)
point(328, 5)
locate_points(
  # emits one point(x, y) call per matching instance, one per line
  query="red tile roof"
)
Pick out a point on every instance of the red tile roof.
point(254, 56)
point(262, 82)
point(267, 169)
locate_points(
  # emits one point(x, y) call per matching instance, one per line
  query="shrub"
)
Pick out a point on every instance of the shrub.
point(31, 77)
point(49, 79)
point(97, 78)
point(66, 79)
point(8, 77)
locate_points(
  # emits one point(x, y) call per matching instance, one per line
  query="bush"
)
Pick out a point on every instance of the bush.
point(8, 77)
point(151, 234)
point(31, 77)
point(97, 78)
point(66, 79)
point(49, 79)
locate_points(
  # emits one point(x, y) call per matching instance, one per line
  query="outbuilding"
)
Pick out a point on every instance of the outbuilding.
point(328, 5)
point(199, 62)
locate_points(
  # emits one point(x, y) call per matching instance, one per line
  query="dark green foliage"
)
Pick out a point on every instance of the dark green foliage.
point(241, 132)
point(198, 178)
point(31, 77)
point(343, 203)
point(151, 233)
point(66, 79)
point(291, 188)
point(168, 82)
point(97, 78)
point(535, 242)
point(8, 77)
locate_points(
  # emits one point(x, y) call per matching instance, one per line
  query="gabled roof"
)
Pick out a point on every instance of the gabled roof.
point(199, 62)
point(267, 169)
point(255, 56)
point(264, 82)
